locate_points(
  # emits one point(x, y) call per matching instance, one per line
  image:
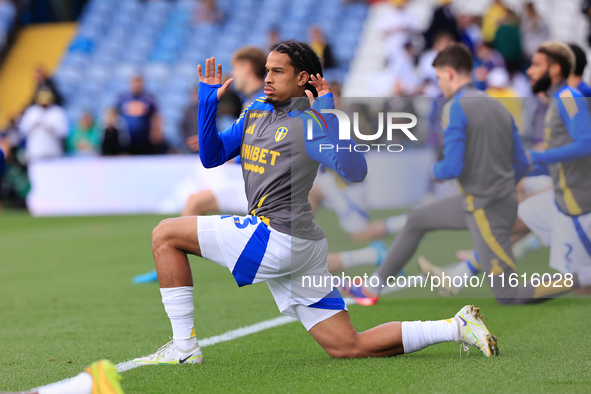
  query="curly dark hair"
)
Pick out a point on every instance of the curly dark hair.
point(303, 58)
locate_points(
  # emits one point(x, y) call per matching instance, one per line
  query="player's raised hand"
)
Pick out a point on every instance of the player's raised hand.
point(321, 85)
point(212, 78)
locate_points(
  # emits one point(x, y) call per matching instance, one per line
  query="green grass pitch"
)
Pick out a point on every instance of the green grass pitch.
point(66, 299)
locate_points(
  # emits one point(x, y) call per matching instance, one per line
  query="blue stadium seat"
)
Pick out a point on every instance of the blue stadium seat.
point(157, 72)
point(99, 73)
point(187, 71)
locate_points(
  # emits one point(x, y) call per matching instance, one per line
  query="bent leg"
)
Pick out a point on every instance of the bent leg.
point(519, 230)
point(339, 339)
point(172, 240)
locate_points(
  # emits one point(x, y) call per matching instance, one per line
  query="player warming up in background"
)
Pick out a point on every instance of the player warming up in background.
point(279, 242)
point(483, 150)
point(561, 216)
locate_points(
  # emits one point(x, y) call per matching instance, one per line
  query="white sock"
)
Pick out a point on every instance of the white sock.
point(395, 224)
point(178, 304)
point(355, 258)
point(80, 384)
point(584, 276)
point(417, 335)
point(460, 270)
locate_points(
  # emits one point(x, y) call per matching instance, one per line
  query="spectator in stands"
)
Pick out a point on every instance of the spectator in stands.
point(489, 57)
point(140, 113)
point(189, 125)
point(499, 86)
point(14, 186)
point(2, 166)
point(11, 135)
point(575, 80)
point(85, 138)
point(45, 126)
point(486, 59)
point(508, 41)
point(521, 84)
point(337, 93)
point(470, 31)
point(534, 30)
point(443, 20)
point(321, 47)
point(425, 66)
point(492, 18)
point(273, 37)
point(208, 13)
point(114, 140)
point(43, 81)
point(406, 81)
point(397, 24)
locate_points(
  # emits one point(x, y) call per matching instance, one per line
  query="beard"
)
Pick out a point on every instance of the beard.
point(271, 101)
point(542, 84)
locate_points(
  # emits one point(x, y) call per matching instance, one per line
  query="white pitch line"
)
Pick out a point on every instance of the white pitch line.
point(227, 336)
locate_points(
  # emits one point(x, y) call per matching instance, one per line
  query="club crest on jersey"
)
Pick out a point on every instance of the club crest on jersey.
point(280, 133)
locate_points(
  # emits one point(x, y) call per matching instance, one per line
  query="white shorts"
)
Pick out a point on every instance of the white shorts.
point(534, 184)
point(229, 193)
point(295, 269)
point(567, 236)
point(347, 200)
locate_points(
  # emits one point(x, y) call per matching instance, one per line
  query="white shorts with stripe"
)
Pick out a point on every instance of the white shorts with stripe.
point(295, 269)
point(569, 237)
